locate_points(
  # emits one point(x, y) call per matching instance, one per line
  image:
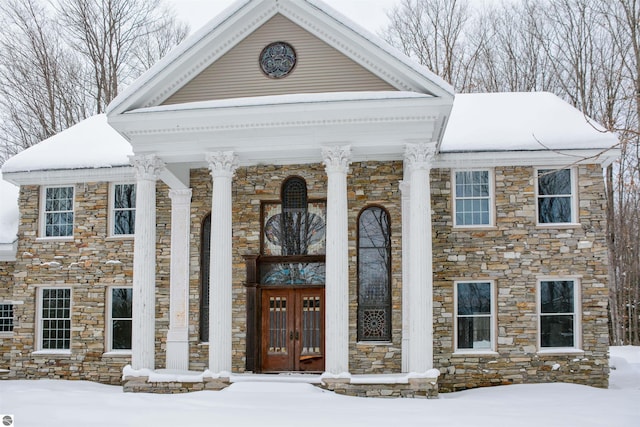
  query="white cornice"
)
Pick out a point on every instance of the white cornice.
point(284, 133)
point(70, 176)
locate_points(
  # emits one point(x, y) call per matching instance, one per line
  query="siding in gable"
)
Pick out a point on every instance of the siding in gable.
point(320, 68)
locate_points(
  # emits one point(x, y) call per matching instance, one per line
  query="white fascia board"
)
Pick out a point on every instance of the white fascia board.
point(70, 176)
point(368, 52)
point(8, 251)
point(558, 158)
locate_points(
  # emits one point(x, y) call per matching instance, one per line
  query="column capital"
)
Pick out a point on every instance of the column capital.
point(222, 163)
point(148, 166)
point(419, 156)
point(336, 158)
point(181, 196)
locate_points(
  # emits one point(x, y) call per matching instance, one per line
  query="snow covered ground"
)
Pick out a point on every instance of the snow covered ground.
point(48, 403)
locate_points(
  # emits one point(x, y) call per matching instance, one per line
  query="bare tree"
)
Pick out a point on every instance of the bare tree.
point(64, 60)
point(42, 90)
point(433, 32)
point(112, 34)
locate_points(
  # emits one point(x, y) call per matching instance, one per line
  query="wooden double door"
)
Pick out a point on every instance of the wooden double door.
point(292, 329)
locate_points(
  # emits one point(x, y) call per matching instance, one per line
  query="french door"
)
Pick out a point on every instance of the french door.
point(292, 335)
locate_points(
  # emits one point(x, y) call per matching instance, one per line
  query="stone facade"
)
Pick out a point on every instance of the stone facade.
point(514, 254)
point(6, 339)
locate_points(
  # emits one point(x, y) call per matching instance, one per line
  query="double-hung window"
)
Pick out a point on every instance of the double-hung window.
point(473, 204)
point(6, 318)
point(123, 214)
point(58, 212)
point(555, 194)
point(120, 319)
point(474, 306)
point(558, 311)
point(55, 319)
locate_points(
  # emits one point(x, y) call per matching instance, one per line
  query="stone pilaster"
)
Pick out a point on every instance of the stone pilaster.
point(405, 188)
point(418, 158)
point(178, 335)
point(222, 166)
point(148, 169)
point(336, 161)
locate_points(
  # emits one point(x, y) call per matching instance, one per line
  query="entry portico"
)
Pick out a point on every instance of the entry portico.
point(190, 112)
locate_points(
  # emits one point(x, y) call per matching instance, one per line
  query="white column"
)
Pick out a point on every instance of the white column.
point(418, 158)
point(223, 166)
point(336, 161)
point(406, 294)
point(178, 335)
point(148, 169)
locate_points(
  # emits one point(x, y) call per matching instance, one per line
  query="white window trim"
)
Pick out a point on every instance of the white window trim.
point(7, 334)
point(109, 325)
point(38, 346)
point(493, 322)
point(492, 198)
point(43, 213)
point(111, 217)
point(577, 315)
point(574, 199)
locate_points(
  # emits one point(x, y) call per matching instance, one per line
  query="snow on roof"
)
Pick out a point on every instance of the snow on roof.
point(301, 98)
point(520, 121)
point(90, 144)
point(8, 211)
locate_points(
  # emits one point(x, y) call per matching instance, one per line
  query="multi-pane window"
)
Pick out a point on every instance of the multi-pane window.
point(558, 314)
point(374, 267)
point(555, 196)
point(58, 212)
point(124, 209)
point(474, 316)
point(120, 319)
point(472, 198)
point(6, 317)
point(55, 318)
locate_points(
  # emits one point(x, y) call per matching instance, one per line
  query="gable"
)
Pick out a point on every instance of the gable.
point(320, 68)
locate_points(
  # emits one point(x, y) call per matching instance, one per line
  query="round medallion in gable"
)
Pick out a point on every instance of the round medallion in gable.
point(278, 60)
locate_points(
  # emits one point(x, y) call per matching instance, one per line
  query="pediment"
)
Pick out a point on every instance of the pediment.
point(319, 68)
point(220, 61)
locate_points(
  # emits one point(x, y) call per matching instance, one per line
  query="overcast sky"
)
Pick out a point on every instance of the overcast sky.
point(371, 14)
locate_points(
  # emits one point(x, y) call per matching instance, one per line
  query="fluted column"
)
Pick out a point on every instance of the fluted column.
point(178, 335)
point(223, 166)
point(418, 158)
point(336, 161)
point(405, 189)
point(147, 169)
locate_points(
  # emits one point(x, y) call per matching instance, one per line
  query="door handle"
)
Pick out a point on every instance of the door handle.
point(297, 335)
point(291, 336)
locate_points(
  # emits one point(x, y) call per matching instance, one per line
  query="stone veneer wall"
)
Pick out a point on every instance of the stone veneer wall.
point(515, 254)
point(6, 294)
point(89, 264)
